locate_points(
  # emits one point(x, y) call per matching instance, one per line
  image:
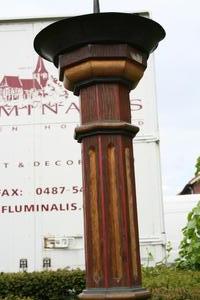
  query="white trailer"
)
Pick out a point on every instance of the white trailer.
point(40, 163)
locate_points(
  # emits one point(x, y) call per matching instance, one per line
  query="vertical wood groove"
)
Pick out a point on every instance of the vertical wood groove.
point(124, 210)
point(117, 268)
point(95, 216)
point(133, 234)
point(103, 209)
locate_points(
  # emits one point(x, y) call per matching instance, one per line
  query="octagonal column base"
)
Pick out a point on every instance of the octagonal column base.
point(115, 294)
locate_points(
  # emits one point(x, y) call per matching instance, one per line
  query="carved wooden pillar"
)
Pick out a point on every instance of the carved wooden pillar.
point(104, 79)
point(103, 66)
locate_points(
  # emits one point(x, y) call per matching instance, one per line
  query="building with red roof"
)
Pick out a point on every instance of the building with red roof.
point(11, 88)
point(41, 73)
point(14, 88)
point(30, 86)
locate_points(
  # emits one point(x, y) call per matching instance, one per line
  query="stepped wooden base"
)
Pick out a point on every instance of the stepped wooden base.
point(115, 294)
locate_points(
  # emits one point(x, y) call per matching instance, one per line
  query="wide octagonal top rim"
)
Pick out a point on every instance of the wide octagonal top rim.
point(104, 28)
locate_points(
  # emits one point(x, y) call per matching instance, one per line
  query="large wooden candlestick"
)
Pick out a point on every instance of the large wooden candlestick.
point(103, 70)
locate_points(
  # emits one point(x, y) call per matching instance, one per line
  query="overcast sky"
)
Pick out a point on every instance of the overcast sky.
point(177, 62)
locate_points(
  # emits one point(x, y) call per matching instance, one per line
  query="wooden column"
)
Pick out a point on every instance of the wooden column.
point(97, 60)
point(104, 75)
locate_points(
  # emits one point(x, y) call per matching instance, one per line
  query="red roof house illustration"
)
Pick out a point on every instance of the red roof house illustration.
point(11, 88)
point(29, 84)
point(41, 73)
point(14, 88)
point(29, 87)
point(11, 81)
point(41, 84)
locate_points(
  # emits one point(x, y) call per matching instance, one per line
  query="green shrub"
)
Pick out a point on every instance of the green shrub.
point(189, 253)
point(47, 285)
point(170, 283)
point(16, 298)
point(165, 283)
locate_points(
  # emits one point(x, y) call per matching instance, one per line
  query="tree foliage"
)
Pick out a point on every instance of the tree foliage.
point(197, 172)
point(189, 253)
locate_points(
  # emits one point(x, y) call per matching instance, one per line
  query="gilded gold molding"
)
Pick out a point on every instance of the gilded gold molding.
point(102, 68)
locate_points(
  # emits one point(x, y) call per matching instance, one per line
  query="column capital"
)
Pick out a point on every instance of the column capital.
point(101, 63)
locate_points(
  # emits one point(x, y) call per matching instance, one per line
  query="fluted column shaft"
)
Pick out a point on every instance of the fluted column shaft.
point(112, 250)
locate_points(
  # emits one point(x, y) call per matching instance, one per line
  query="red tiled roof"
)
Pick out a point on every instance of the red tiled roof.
point(29, 84)
point(11, 81)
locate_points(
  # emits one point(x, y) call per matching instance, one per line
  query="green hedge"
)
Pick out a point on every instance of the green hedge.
point(47, 285)
point(16, 298)
point(167, 283)
point(170, 283)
